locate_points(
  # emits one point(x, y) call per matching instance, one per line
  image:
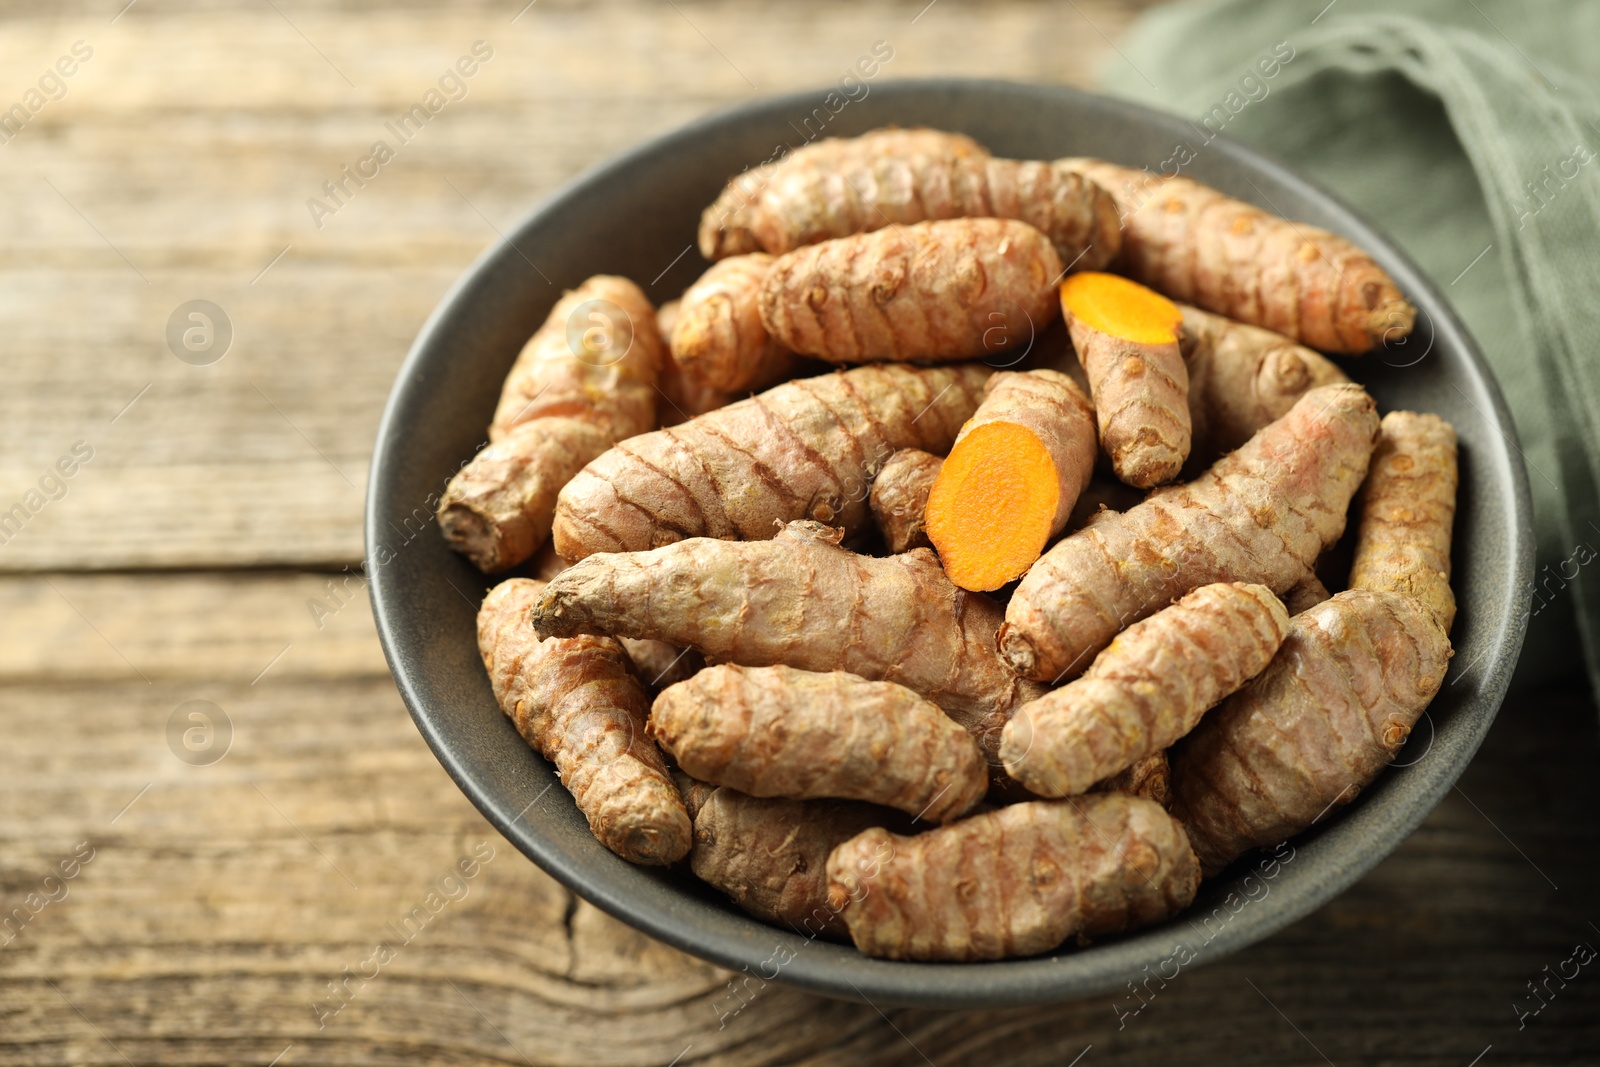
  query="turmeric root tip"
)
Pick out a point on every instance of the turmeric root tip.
point(1127, 339)
point(576, 701)
point(1012, 478)
point(1199, 246)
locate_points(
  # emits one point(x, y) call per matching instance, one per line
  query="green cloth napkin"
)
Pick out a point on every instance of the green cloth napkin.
point(1470, 131)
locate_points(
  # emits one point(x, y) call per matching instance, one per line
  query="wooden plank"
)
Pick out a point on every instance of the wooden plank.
point(222, 899)
point(178, 166)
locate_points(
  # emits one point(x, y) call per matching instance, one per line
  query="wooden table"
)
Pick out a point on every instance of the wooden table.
point(184, 890)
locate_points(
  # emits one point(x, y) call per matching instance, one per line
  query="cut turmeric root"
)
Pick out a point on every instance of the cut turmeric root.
point(576, 701)
point(1127, 339)
point(1012, 478)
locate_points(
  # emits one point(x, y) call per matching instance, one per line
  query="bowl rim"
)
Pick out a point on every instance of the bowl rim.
point(742, 942)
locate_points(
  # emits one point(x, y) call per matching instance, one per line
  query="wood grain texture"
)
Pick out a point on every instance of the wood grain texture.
point(223, 898)
point(178, 166)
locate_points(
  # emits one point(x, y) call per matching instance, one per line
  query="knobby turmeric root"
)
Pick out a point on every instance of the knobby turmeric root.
point(1261, 514)
point(802, 601)
point(1012, 478)
point(655, 663)
point(729, 227)
point(803, 450)
point(718, 337)
point(1320, 722)
point(781, 732)
point(1196, 245)
point(770, 855)
point(1014, 882)
point(1352, 677)
point(1408, 506)
point(584, 381)
point(1241, 378)
point(899, 498)
point(1146, 690)
point(951, 290)
point(1127, 339)
point(682, 397)
point(576, 702)
point(1149, 778)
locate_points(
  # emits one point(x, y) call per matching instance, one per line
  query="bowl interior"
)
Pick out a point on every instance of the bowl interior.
point(637, 216)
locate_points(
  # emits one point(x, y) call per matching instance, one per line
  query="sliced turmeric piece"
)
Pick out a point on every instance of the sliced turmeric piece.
point(717, 336)
point(1261, 514)
point(805, 449)
point(899, 498)
point(577, 388)
point(1197, 245)
point(576, 701)
point(1014, 882)
point(1012, 478)
point(1408, 506)
point(933, 291)
point(1146, 690)
point(800, 600)
point(1126, 336)
point(781, 732)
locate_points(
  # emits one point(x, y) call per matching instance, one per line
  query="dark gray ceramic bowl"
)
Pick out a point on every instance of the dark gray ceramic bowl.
point(636, 216)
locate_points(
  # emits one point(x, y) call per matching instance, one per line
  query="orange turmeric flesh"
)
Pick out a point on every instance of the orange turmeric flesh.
point(999, 489)
point(1012, 478)
point(1126, 337)
point(1112, 304)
